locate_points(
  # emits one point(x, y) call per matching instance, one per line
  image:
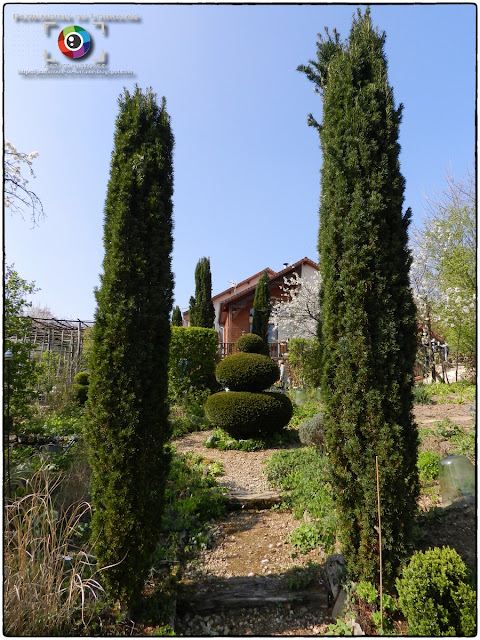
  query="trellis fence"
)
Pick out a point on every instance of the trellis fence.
point(58, 344)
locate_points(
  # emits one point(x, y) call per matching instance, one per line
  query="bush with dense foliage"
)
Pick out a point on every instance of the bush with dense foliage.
point(128, 425)
point(80, 387)
point(251, 343)
point(312, 432)
point(368, 317)
point(192, 360)
point(304, 360)
point(247, 372)
point(435, 594)
point(247, 414)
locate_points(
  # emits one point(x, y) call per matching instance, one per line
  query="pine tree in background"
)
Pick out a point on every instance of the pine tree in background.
point(367, 312)
point(261, 310)
point(177, 319)
point(201, 312)
point(128, 412)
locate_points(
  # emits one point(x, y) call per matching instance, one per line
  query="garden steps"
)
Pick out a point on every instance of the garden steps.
point(246, 592)
point(257, 501)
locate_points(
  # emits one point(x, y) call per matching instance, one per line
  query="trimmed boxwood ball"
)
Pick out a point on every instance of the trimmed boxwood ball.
point(247, 372)
point(251, 343)
point(82, 377)
point(245, 415)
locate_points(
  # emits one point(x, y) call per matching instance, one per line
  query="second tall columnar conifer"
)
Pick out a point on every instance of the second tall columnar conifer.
point(128, 412)
point(202, 312)
point(262, 309)
point(177, 320)
point(368, 329)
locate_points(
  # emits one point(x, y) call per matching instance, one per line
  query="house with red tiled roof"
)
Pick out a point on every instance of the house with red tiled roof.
point(234, 306)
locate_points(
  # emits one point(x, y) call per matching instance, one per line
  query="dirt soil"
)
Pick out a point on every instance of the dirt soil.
point(253, 543)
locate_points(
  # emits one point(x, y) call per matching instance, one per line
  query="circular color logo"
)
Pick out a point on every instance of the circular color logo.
point(74, 41)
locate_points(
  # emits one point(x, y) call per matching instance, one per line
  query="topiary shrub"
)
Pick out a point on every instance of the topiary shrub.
point(246, 414)
point(251, 343)
point(82, 377)
point(80, 387)
point(247, 372)
point(312, 432)
point(435, 595)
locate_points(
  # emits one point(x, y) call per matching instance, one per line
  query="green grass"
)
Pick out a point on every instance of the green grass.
point(462, 392)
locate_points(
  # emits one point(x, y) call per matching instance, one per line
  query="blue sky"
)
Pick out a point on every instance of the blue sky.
point(246, 165)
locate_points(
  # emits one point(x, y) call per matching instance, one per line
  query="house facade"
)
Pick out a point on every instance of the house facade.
point(234, 306)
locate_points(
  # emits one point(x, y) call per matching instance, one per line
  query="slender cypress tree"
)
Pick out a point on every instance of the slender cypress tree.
point(177, 320)
point(261, 309)
point(202, 312)
point(367, 312)
point(128, 412)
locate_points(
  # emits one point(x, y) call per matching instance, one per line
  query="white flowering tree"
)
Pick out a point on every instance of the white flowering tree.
point(444, 268)
point(17, 195)
point(297, 312)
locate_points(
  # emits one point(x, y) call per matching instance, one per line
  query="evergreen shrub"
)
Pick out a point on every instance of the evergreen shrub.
point(435, 595)
point(251, 343)
point(81, 378)
point(312, 432)
point(192, 360)
point(246, 414)
point(80, 387)
point(247, 372)
point(304, 359)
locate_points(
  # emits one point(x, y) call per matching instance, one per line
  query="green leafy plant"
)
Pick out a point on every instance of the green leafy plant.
point(367, 591)
point(435, 594)
point(301, 474)
point(304, 412)
point(305, 537)
point(302, 577)
point(221, 440)
point(312, 432)
point(428, 466)
point(421, 394)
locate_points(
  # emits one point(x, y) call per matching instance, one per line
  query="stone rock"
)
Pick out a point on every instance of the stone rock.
point(336, 573)
point(339, 605)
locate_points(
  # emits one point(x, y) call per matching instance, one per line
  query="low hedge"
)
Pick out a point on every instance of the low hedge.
point(247, 372)
point(251, 343)
point(244, 414)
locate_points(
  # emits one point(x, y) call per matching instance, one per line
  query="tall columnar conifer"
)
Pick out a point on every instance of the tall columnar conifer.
point(128, 412)
point(177, 320)
point(367, 327)
point(201, 311)
point(262, 309)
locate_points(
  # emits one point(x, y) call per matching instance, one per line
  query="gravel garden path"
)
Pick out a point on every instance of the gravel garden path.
point(249, 555)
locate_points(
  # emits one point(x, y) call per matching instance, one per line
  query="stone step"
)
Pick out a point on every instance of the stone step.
point(238, 592)
point(252, 501)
